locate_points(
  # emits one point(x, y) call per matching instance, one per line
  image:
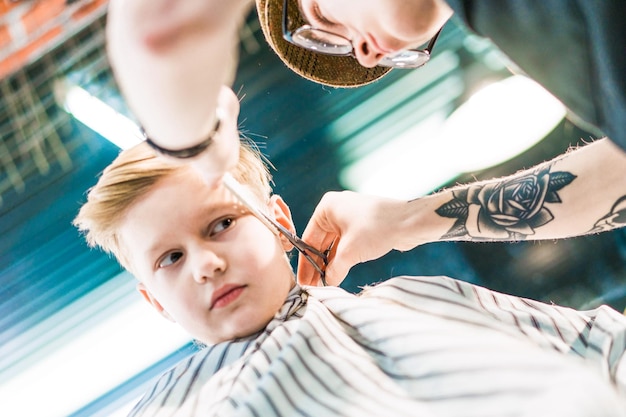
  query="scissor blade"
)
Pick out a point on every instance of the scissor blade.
point(247, 200)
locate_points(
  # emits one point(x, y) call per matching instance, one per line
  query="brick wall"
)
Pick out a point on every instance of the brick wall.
point(30, 28)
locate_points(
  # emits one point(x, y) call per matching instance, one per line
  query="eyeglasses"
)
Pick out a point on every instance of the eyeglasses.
point(328, 43)
point(304, 248)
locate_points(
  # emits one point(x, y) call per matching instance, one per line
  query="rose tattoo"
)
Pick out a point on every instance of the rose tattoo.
point(509, 209)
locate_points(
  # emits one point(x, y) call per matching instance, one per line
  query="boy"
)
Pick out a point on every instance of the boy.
point(407, 347)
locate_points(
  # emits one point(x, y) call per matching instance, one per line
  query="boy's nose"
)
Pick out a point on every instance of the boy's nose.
point(208, 265)
point(365, 54)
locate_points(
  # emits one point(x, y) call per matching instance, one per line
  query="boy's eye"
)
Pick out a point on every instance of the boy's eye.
point(222, 225)
point(170, 259)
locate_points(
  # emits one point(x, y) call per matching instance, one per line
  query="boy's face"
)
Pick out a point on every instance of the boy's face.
point(205, 262)
point(378, 27)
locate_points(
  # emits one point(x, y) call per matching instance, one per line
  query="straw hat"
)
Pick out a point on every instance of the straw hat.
point(335, 71)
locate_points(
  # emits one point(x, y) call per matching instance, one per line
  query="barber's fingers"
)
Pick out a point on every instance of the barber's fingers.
point(340, 261)
point(323, 230)
point(222, 154)
point(320, 233)
point(307, 275)
point(327, 228)
point(317, 238)
point(336, 269)
point(359, 225)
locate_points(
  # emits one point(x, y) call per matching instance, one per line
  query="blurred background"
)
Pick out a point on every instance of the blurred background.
point(75, 338)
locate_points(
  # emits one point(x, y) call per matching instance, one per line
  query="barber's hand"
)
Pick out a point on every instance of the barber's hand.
point(162, 22)
point(223, 153)
point(361, 227)
point(170, 59)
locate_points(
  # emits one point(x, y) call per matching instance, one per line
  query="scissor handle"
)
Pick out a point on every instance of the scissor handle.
point(304, 248)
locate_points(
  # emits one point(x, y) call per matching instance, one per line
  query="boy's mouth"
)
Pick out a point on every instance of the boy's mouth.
point(225, 295)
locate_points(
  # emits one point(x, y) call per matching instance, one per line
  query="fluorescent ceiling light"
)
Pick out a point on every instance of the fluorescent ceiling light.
point(130, 338)
point(99, 116)
point(497, 123)
point(392, 99)
point(405, 167)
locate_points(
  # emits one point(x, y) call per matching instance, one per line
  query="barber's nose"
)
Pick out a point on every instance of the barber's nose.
point(208, 265)
point(365, 54)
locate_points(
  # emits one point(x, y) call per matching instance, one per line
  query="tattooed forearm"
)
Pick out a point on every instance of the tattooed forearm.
point(613, 219)
point(510, 209)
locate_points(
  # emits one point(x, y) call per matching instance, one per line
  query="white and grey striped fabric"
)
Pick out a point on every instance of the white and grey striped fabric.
point(411, 346)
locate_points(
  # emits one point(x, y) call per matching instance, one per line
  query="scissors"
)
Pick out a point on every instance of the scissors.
point(304, 248)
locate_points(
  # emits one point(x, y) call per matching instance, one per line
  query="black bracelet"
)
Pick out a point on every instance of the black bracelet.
point(187, 152)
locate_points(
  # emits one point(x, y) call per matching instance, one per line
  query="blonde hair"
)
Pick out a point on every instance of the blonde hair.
point(132, 175)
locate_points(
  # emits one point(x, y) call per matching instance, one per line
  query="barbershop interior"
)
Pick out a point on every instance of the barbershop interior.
point(77, 340)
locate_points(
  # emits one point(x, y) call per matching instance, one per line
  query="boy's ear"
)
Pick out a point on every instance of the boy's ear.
point(147, 295)
point(282, 214)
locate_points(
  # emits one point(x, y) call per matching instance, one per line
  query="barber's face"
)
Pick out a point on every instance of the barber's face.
point(378, 27)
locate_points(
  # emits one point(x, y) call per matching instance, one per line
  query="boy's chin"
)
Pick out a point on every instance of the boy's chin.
point(242, 332)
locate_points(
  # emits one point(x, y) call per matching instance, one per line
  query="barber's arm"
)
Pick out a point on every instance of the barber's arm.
point(580, 192)
point(170, 59)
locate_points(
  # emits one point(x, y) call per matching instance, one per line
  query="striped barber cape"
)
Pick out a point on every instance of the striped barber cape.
point(411, 346)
